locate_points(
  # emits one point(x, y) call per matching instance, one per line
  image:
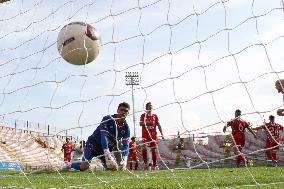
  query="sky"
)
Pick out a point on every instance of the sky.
point(198, 61)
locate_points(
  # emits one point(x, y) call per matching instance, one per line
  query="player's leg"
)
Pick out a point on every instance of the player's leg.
point(275, 150)
point(85, 163)
point(240, 143)
point(236, 151)
point(268, 154)
point(130, 165)
point(68, 157)
point(144, 155)
point(136, 165)
point(154, 153)
point(154, 157)
point(65, 157)
point(269, 151)
point(240, 157)
point(273, 155)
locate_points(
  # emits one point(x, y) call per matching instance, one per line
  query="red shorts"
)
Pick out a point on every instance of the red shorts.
point(133, 157)
point(270, 144)
point(240, 139)
point(67, 157)
point(150, 143)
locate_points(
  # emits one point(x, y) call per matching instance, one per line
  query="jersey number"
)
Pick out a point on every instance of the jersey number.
point(241, 128)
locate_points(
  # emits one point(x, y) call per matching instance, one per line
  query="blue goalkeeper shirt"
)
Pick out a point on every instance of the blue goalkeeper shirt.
point(108, 134)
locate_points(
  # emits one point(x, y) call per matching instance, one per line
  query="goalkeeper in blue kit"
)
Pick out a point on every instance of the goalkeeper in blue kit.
point(104, 141)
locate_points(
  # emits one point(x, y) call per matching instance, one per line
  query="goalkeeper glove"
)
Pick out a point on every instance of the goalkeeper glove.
point(123, 163)
point(110, 160)
point(96, 165)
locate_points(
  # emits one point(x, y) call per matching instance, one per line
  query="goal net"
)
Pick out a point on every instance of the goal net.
point(196, 61)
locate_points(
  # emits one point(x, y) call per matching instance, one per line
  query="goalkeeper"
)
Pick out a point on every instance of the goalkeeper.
point(104, 141)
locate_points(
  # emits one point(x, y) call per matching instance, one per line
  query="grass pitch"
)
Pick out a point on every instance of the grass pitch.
point(256, 177)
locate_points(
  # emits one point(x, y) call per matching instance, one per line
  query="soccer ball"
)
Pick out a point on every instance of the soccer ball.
point(78, 43)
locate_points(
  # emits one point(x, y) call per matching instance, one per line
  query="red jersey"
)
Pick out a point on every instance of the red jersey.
point(67, 148)
point(149, 131)
point(272, 131)
point(238, 126)
point(133, 151)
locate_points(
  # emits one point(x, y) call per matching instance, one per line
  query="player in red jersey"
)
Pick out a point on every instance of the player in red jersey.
point(67, 148)
point(149, 123)
point(238, 127)
point(133, 153)
point(279, 85)
point(272, 137)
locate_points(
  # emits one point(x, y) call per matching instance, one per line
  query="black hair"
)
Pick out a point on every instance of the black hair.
point(271, 117)
point(238, 110)
point(124, 104)
point(148, 104)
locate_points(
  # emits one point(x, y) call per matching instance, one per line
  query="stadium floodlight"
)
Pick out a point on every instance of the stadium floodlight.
point(132, 78)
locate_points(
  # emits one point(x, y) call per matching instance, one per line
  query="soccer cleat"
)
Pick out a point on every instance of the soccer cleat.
point(155, 168)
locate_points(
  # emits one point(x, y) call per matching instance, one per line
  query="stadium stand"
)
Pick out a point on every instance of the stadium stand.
point(32, 153)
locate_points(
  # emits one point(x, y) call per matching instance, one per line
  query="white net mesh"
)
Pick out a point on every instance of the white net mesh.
point(196, 61)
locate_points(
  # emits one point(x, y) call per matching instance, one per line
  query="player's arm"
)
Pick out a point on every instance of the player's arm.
point(160, 129)
point(104, 131)
point(258, 128)
point(142, 123)
point(159, 126)
point(225, 127)
point(252, 132)
point(125, 146)
point(125, 149)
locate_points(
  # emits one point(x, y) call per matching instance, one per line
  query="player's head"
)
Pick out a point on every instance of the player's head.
point(271, 118)
point(133, 139)
point(149, 106)
point(67, 140)
point(238, 113)
point(123, 109)
point(279, 85)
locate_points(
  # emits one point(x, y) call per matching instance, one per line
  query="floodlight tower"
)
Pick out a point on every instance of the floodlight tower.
point(132, 78)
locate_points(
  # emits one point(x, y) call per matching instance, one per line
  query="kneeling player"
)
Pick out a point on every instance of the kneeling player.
point(103, 142)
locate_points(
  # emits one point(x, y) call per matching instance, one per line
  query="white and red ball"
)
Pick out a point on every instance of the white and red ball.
point(78, 43)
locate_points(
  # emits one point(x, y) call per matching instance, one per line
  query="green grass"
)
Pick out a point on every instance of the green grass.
point(268, 177)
